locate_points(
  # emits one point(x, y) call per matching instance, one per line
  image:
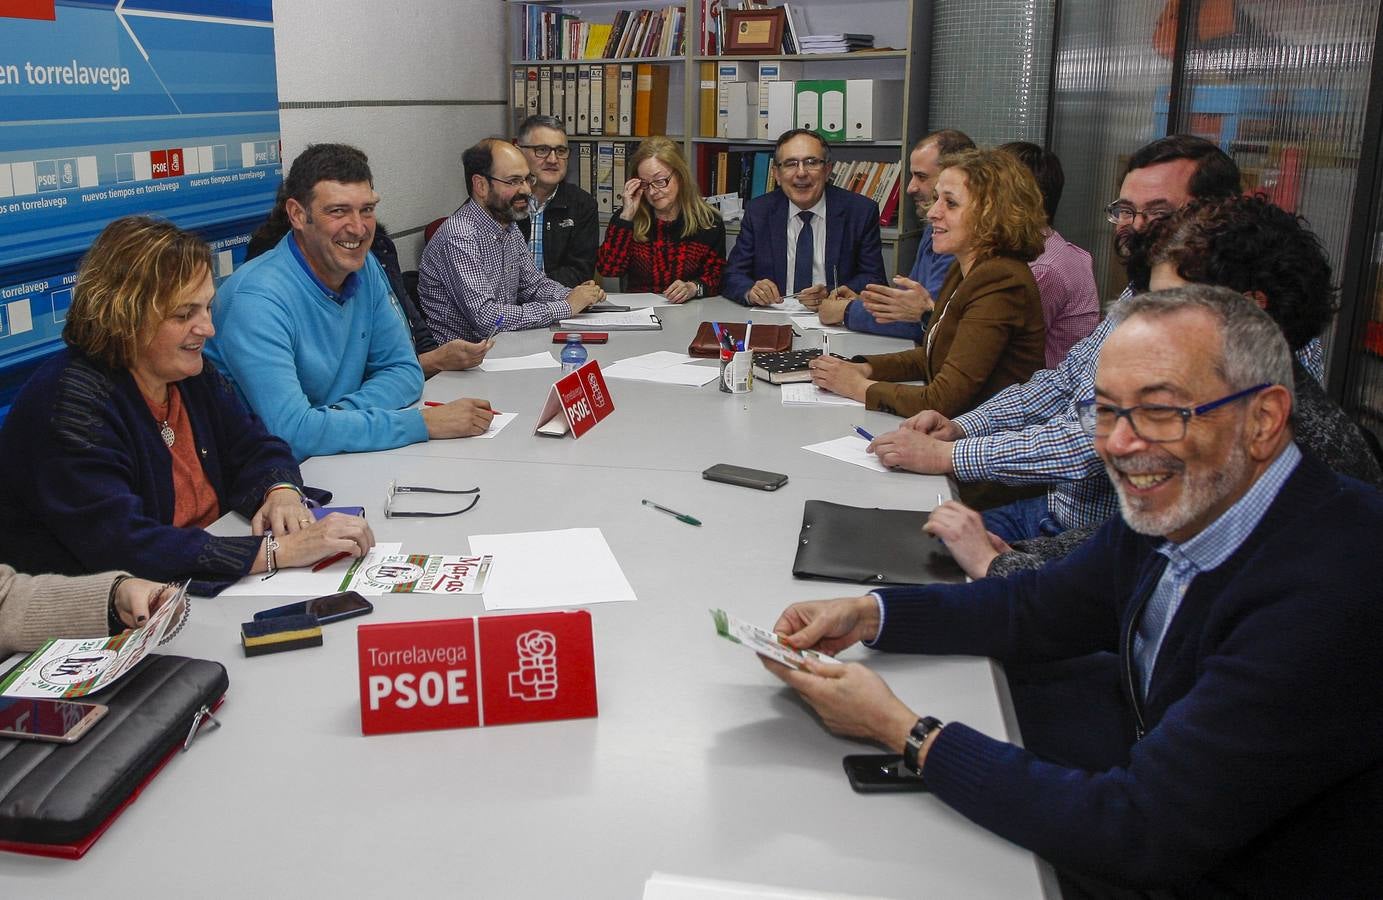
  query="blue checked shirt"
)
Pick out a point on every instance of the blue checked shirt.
point(473, 271)
point(1202, 553)
point(1028, 434)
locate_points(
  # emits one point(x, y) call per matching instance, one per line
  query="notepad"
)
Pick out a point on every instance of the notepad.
point(849, 449)
point(571, 567)
point(634, 320)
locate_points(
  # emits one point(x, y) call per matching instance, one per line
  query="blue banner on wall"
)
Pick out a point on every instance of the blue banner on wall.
point(118, 107)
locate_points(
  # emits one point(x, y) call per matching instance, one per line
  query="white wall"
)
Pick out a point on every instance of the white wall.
point(410, 82)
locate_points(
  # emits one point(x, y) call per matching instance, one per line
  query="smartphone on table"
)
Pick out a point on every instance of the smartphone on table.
point(331, 608)
point(881, 773)
point(751, 478)
point(58, 721)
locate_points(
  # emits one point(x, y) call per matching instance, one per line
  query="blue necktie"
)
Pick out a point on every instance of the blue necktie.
point(802, 266)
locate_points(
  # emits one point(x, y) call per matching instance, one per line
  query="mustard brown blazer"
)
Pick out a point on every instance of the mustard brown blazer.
point(988, 335)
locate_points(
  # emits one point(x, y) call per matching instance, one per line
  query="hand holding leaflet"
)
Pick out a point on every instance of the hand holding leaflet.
point(764, 642)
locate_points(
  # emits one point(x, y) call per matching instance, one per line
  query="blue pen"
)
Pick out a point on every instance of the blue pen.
point(494, 331)
point(864, 434)
point(715, 326)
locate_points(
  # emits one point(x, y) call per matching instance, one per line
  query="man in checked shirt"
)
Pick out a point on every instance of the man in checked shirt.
point(478, 269)
point(1028, 433)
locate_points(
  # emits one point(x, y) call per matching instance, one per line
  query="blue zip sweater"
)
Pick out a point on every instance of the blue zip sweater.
point(327, 372)
point(1257, 768)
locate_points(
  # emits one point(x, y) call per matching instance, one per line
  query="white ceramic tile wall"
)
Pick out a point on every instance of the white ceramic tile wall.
point(433, 72)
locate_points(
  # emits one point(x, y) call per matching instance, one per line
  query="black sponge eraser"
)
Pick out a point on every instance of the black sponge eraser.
point(278, 634)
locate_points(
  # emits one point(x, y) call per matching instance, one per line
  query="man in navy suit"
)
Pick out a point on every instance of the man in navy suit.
point(807, 238)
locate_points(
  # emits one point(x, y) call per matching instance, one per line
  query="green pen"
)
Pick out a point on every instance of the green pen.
point(674, 513)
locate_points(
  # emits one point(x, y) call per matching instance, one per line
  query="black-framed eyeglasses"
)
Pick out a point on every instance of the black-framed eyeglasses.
point(543, 150)
point(659, 183)
point(1121, 212)
point(810, 164)
point(395, 489)
point(1153, 422)
point(515, 181)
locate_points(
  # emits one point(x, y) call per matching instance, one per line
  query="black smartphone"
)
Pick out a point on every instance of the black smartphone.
point(331, 608)
point(59, 721)
point(752, 478)
point(881, 773)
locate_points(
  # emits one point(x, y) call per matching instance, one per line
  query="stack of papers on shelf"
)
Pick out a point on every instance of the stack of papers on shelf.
point(663, 367)
point(836, 43)
point(634, 320)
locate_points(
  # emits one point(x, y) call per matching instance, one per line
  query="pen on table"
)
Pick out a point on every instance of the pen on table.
point(939, 499)
point(720, 338)
point(864, 434)
point(330, 560)
point(674, 513)
point(440, 403)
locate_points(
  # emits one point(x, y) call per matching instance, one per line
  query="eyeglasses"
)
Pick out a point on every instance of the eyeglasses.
point(395, 488)
point(542, 150)
point(659, 183)
point(1154, 423)
point(517, 180)
point(810, 164)
point(1122, 213)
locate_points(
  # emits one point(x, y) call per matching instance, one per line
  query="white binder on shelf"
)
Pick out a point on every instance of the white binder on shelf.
point(873, 109)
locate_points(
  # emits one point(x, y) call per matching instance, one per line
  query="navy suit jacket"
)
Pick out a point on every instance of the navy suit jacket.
point(853, 250)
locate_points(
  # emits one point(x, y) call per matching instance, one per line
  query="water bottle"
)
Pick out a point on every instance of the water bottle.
point(573, 354)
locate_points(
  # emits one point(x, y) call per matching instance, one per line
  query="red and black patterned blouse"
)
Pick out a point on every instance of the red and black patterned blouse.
point(665, 257)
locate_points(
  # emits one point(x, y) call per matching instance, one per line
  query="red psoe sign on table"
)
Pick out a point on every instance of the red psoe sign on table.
point(576, 403)
point(463, 673)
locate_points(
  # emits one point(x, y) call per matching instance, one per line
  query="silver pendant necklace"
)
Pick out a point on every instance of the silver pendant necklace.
point(165, 431)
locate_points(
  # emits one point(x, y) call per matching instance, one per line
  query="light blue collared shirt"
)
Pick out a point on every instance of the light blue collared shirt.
point(1203, 552)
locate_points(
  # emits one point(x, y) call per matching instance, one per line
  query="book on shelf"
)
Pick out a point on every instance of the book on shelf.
point(552, 33)
point(600, 180)
point(650, 99)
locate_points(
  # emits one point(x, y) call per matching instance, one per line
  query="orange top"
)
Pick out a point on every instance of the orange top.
point(194, 499)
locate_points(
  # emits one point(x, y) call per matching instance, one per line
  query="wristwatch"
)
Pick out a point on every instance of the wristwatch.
point(916, 738)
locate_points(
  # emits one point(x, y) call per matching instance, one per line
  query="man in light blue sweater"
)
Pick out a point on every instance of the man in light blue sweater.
point(311, 335)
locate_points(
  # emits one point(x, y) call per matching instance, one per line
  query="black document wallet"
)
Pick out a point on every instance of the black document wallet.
point(870, 546)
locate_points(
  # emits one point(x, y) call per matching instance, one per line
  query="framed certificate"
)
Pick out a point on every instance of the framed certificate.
point(751, 31)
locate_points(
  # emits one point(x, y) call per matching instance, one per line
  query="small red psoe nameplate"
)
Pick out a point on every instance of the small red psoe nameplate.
point(488, 670)
point(29, 9)
point(581, 397)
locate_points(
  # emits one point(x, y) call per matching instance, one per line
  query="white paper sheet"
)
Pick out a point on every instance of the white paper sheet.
point(660, 359)
point(638, 301)
point(570, 567)
point(849, 449)
point(664, 886)
point(804, 393)
point(496, 425)
point(687, 376)
point(543, 360)
point(634, 320)
point(808, 323)
point(303, 582)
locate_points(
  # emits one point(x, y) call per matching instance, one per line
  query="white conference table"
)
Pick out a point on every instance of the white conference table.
point(699, 764)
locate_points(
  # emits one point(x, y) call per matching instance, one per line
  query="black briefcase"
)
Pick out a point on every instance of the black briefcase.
point(57, 799)
point(870, 546)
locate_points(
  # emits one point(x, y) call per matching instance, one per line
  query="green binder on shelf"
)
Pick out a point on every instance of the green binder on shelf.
point(832, 123)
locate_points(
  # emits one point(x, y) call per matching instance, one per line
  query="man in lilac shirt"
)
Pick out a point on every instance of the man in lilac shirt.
point(1064, 274)
point(477, 274)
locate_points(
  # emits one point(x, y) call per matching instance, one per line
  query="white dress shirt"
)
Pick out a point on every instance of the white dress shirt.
point(818, 245)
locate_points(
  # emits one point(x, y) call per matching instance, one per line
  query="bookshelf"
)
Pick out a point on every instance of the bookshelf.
point(901, 33)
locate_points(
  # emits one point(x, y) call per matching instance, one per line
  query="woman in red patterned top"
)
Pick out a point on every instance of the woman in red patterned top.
point(665, 239)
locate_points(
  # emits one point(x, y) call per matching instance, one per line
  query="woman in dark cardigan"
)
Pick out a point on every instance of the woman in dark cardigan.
point(123, 448)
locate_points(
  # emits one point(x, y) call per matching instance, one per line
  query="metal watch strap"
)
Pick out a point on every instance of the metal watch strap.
point(916, 738)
